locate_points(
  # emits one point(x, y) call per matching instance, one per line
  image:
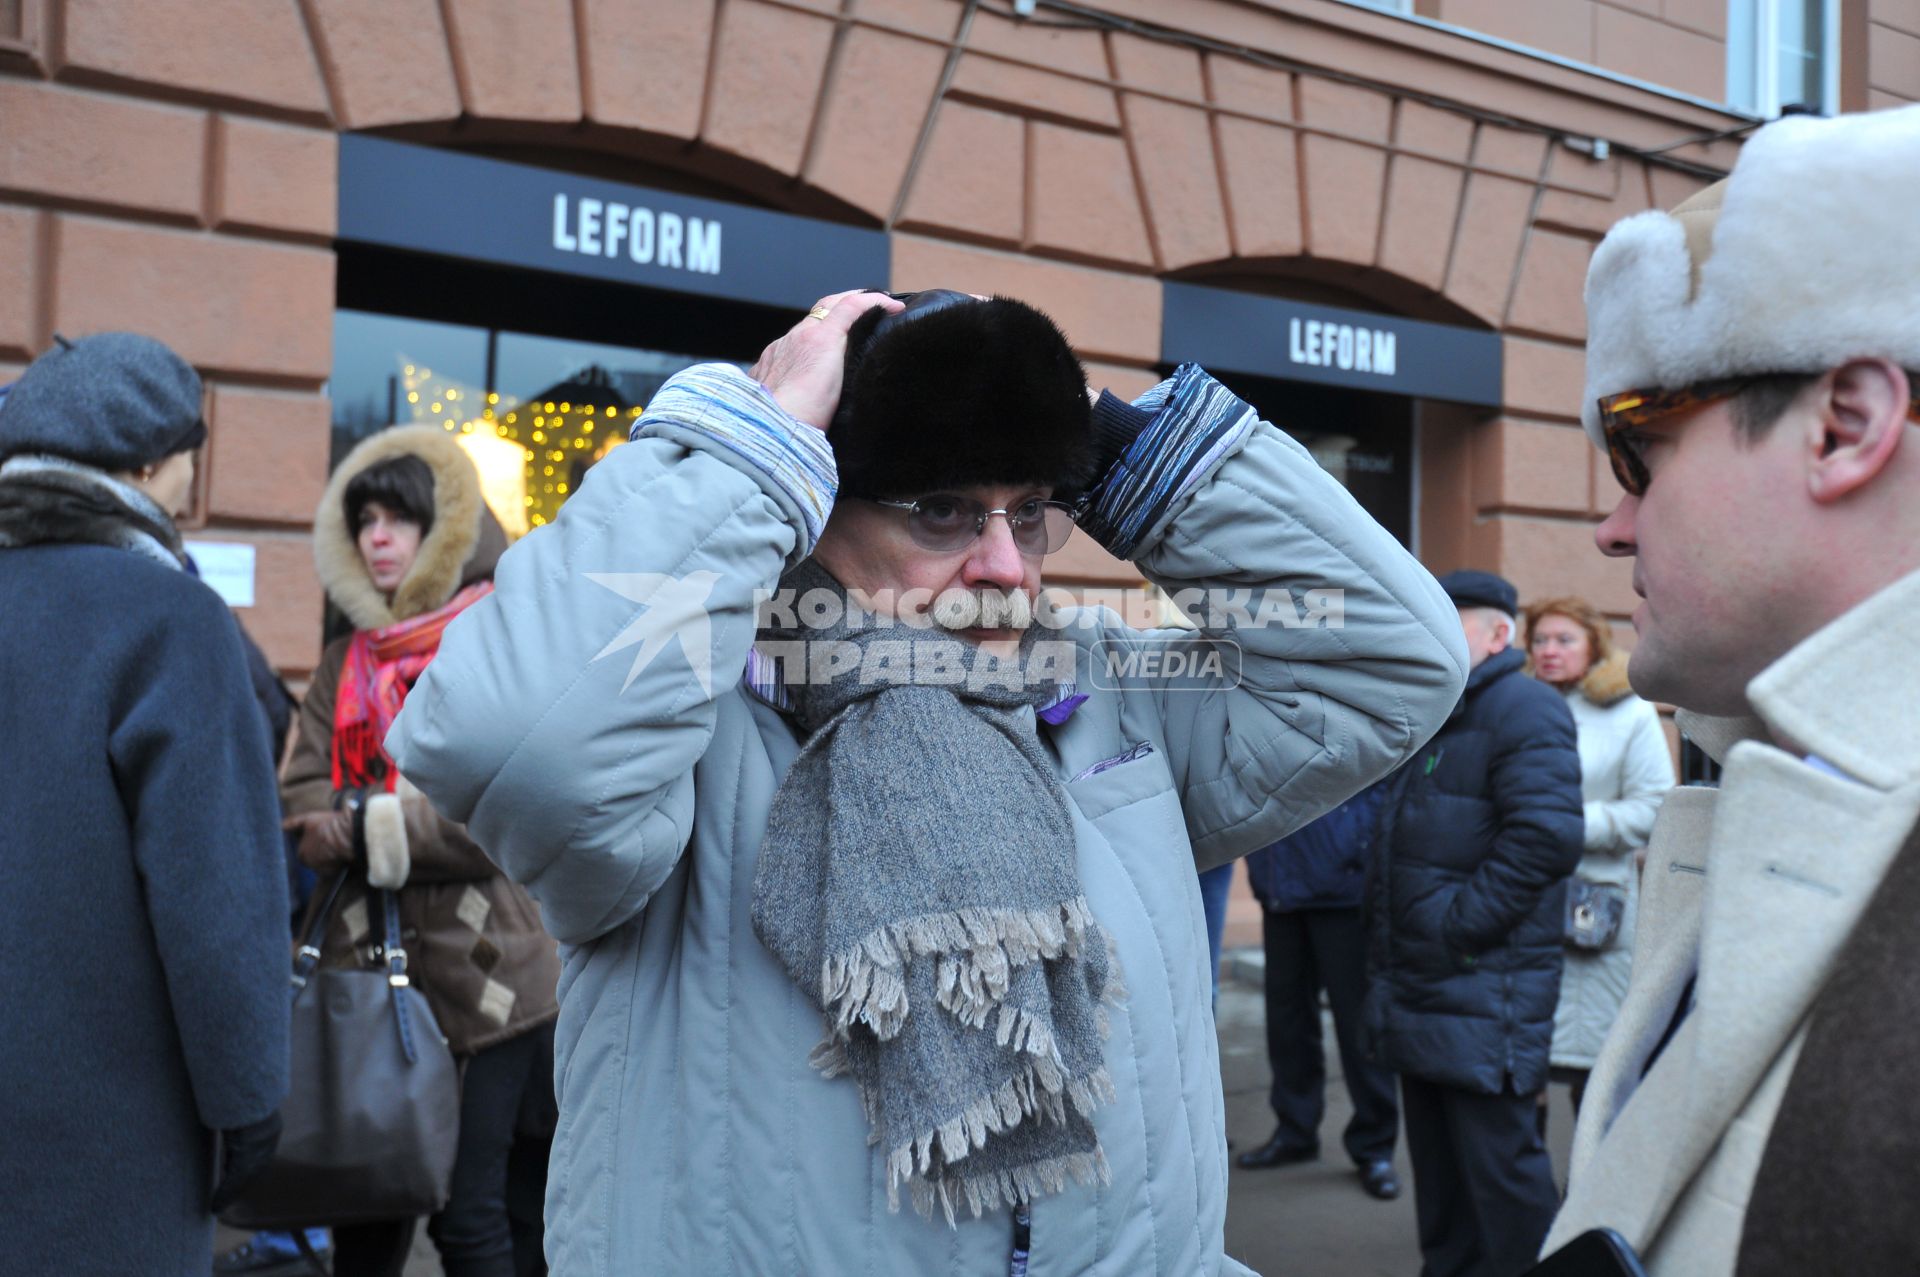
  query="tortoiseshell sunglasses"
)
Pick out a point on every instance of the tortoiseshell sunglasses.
point(1625, 415)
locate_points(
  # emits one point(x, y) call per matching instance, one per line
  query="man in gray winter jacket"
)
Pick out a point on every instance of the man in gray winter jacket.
point(873, 870)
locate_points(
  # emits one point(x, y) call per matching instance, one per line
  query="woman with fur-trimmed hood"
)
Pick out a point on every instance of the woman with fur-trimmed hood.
point(1625, 770)
point(404, 542)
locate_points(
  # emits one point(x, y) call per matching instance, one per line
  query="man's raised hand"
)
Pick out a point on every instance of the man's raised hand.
point(802, 369)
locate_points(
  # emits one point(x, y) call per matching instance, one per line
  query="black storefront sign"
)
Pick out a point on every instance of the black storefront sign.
point(465, 206)
point(1300, 341)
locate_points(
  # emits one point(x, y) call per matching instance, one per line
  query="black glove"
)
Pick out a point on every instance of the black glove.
point(245, 1151)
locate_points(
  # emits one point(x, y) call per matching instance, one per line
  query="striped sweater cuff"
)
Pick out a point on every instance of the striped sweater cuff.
point(723, 404)
point(1196, 422)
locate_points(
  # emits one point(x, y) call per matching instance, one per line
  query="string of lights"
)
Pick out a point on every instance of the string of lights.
point(530, 454)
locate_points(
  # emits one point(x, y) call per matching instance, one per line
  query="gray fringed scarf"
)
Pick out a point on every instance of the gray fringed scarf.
point(918, 881)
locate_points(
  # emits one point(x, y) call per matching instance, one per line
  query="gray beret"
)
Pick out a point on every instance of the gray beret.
point(117, 401)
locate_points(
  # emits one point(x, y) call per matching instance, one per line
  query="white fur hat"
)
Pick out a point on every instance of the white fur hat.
point(1803, 259)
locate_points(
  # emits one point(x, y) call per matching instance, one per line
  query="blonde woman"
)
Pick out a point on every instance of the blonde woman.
point(1625, 771)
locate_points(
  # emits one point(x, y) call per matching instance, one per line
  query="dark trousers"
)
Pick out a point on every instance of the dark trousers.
point(1309, 950)
point(1482, 1183)
point(505, 1101)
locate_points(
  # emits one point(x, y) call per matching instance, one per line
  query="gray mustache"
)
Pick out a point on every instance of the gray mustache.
point(984, 609)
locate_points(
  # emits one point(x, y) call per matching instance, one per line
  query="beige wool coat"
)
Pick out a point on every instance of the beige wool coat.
point(1749, 894)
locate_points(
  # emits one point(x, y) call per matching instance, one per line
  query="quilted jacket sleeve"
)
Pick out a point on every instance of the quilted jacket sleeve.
point(564, 714)
point(1342, 654)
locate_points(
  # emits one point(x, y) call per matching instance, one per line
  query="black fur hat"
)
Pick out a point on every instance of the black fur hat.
point(954, 392)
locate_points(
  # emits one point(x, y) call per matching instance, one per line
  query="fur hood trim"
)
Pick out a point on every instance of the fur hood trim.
point(461, 546)
point(1606, 683)
point(1792, 265)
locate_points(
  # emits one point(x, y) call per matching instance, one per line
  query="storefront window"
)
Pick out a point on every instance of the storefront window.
point(371, 358)
point(1363, 439)
point(534, 412)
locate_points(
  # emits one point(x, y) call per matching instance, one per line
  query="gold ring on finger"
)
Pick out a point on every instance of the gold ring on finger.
point(819, 312)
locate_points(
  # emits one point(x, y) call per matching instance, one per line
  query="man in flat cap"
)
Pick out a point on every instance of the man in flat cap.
point(1465, 905)
point(143, 914)
point(1752, 373)
point(874, 869)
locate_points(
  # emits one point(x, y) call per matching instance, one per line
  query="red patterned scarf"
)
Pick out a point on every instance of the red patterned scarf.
point(381, 668)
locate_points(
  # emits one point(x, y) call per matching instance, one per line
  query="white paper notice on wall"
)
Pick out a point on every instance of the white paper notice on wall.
point(227, 566)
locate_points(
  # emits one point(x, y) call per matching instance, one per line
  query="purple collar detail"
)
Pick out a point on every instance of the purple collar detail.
point(1061, 710)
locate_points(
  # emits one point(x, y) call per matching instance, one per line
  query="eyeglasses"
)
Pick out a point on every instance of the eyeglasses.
point(1624, 416)
point(947, 523)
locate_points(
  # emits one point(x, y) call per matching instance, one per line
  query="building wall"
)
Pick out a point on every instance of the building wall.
point(1680, 44)
point(169, 165)
point(1892, 39)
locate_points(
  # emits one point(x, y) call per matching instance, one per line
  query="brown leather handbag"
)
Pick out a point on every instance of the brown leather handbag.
point(371, 1121)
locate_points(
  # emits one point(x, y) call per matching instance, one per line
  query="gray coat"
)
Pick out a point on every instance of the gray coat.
point(143, 912)
point(610, 756)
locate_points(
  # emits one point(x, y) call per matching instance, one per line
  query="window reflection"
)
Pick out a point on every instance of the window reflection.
point(1781, 53)
point(535, 413)
point(1801, 73)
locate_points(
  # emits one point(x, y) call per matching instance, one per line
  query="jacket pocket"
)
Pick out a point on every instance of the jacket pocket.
point(1137, 773)
point(1128, 755)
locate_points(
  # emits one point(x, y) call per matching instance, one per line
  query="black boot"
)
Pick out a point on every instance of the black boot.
point(1278, 1151)
point(1378, 1179)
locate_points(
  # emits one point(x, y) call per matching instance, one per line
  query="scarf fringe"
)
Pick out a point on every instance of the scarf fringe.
point(1040, 1089)
point(989, 1191)
point(1025, 1095)
point(976, 949)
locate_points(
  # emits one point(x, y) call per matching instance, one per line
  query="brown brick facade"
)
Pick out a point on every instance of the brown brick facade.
point(170, 166)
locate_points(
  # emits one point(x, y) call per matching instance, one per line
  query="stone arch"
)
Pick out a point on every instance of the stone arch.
point(940, 117)
point(1314, 279)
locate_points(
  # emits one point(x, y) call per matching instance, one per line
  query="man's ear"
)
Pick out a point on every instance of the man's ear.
point(1856, 432)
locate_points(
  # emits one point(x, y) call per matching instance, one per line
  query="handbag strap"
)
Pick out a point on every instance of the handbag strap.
point(307, 956)
point(392, 950)
point(397, 979)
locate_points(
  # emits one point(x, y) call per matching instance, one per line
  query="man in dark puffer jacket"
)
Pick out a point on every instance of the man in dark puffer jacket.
point(1465, 905)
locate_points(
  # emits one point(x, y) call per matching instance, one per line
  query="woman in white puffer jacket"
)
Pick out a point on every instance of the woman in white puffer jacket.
point(1626, 770)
